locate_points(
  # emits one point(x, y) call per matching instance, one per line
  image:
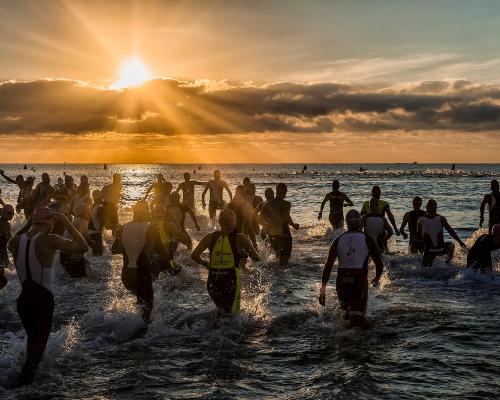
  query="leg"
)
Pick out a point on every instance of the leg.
point(449, 250)
point(286, 251)
point(212, 210)
point(428, 258)
point(145, 296)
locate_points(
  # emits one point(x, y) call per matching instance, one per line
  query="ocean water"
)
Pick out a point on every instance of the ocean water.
point(434, 332)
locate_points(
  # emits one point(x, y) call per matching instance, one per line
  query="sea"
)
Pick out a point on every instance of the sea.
point(434, 332)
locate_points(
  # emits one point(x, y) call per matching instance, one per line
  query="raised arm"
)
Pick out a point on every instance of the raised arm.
point(376, 257)
point(10, 180)
point(452, 232)
point(76, 245)
point(327, 270)
point(198, 251)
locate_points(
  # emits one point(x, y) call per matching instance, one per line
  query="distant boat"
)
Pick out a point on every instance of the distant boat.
point(105, 166)
point(361, 169)
point(199, 167)
point(25, 166)
point(453, 167)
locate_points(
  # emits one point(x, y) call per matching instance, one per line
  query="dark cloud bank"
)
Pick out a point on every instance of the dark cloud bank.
point(169, 106)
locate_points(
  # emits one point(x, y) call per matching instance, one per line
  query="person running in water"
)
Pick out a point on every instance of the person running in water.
point(216, 201)
point(338, 201)
point(169, 236)
point(188, 187)
point(43, 191)
point(33, 254)
point(178, 211)
point(137, 242)
point(275, 218)
point(269, 195)
point(479, 256)
point(383, 207)
point(60, 203)
point(111, 195)
point(492, 200)
point(254, 201)
point(96, 224)
point(20, 183)
point(376, 226)
point(159, 190)
point(353, 249)
point(411, 218)
point(244, 214)
point(430, 230)
point(6, 215)
point(226, 248)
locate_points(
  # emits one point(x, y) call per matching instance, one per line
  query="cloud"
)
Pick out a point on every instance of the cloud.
point(169, 106)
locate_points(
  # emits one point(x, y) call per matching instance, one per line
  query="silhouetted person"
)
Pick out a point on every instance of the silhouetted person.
point(337, 200)
point(479, 256)
point(188, 188)
point(411, 218)
point(216, 200)
point(492, 200)
point(383, 207)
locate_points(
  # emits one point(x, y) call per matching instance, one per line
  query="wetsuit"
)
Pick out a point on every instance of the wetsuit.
point(35, 305)
point(188, 189)
point(336, 216)
point(479, 256)
point(216, 201)
point(96, 224)
point(4, 257)
point(353, 249)
point(494, 210)
point(280, 237)
point(383, 206)
point(164, 261)
point(415, 245)
point(110, 198)
point(434, 244)
point(223, 282)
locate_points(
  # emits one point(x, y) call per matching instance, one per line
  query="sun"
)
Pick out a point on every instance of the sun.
point(132, 72)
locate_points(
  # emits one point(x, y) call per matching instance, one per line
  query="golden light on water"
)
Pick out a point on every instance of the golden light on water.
point(132, 72)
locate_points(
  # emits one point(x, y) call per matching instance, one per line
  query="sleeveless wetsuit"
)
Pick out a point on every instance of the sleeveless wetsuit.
point(223, 282)
point(352, 277)
point(383, 206)
point(434, 244)
point(479, 256)
point(35, 305)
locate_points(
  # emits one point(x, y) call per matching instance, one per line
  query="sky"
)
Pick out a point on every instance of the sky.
point(261, 81)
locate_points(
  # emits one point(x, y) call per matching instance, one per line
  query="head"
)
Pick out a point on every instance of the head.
point(160, 178)
point(159, 212)
point(96, 195)
point(83, 211)
point(69, 181)
point(495, 231)
point(43, 219)
point(227, 220)
point(494, 186)
point(117, 178)
point(168, 187)
point(376, 192)
point(246, 181)
point(7, 212)
point(84, 180)
point(269, 194)
point(335, 184)
point(217, 174)
point(353, 220)
point(431, 207)
point(60, 181)
point(281, 190)
point(140, 211)
point(45, 177)
point(19, 179)
point(30, 180)
point(175, 198)
point(417, 203)
point(187, 177)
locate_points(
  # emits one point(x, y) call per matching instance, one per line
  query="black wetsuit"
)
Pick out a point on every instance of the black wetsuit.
point(494, 211)
point(96, 223)
point(336, 216)
point(479, 256)
point(223, 282)
point(415, 245)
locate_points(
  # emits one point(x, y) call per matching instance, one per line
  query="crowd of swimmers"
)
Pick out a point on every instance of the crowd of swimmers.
point(68, 219)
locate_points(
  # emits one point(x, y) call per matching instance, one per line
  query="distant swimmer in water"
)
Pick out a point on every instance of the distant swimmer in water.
point(188, 188)
point(479, 256)
point(137, 243)
point(269, 195)
point(6, 215)
point(430, 230)
point(216, 200)
point(33, 254)
point(353, 249)
point(96, 224)
point(492, 200)
point(111, 195)
point(275, 218)
point(411, 218)
point(75, 264)
point(168, 237)
point(226, 248)
point(383, 207)
point(338, 201)
point(376, 226)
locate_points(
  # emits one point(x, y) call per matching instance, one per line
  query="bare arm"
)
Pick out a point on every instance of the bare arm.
point(198, 251)
point(486, 201)
point(228, 191)
point(393, 221)
point(193, 217)
point(76, 245)
point(289, 218)
point(203, 196)
point(403, 225)
point(377, 259)
point(451, 231)
point(420, 233)
point(10, 180)
point(327, 270)
point(148, 191)
point(13, 245)
point(348, 200)
point(327, 197)
point(245, 246)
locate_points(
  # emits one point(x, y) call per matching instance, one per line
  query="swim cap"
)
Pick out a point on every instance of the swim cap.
point(7, 210)
point(227, 220)
point(353, 219)
point(495, 231)
point(43, 215)
point(96, 194)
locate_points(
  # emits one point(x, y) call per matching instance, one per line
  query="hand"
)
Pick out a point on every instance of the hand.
point(320, 215)
point(296, 227)
point(375, 281)
point(322, 296)
point(405, 235)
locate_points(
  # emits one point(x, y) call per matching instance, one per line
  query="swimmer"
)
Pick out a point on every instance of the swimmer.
point(383, 205)
point(216, 200)
point(492, 200)
point(275, 218)
point(376, 226)
point(244, 214)
point(479, 256)
point(6, 215)
point(226, 248)
point(411, 218)
point(111, 195)
point(269, 195)
point(96, 224)
point(353, 249)
point(188, 188)
point(430, 230)
point(43, 191)
point(179, 211)
point(337, 200)
point(33, 254)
